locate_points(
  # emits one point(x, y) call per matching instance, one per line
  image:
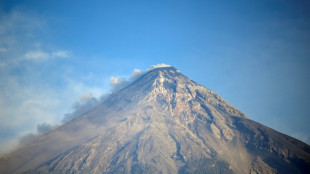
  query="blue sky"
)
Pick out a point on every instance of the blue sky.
point(54, 54)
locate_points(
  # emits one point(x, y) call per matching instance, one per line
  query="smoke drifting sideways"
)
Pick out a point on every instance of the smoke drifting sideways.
point(88, 102)
point(42, 129)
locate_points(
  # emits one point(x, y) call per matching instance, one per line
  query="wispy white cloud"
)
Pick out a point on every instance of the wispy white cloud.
point(24, 103)
point(18, 33)
point(28, 106)
point(60, 54)
point(22, 38)
point(43, 55)
point(162, 65)
point(116, 81)
point(22, 108)
point(87, 101)
point(28, 111)
point(119, 82)
point(25, 110)
point(136, 73)
point(36, 55)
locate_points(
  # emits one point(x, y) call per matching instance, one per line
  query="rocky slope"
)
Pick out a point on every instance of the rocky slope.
point(162, 123)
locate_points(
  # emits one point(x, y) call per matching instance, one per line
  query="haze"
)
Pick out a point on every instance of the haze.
point(57, 56)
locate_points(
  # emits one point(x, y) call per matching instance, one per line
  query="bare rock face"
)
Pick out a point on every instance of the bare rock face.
point(161, 123)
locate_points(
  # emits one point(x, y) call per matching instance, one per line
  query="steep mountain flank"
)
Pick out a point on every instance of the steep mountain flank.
point(161, 123)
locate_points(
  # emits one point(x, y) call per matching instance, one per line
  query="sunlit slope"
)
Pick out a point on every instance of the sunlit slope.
point(161, 123)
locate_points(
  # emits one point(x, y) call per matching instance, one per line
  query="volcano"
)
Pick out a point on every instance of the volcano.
point(163, 122)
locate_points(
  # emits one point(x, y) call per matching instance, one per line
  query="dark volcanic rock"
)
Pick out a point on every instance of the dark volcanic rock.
point(161, 123)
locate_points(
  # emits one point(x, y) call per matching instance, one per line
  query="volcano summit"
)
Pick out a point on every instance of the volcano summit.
point(162, 122)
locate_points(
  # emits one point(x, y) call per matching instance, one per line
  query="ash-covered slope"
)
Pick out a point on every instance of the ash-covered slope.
point(161, 123)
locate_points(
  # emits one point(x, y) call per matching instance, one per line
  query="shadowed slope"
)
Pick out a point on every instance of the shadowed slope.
point(162, 122)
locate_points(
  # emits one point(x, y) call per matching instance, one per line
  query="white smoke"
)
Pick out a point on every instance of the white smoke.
point(120, 82)
point(42, 129)
point(86, 103)
point(162, 65)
